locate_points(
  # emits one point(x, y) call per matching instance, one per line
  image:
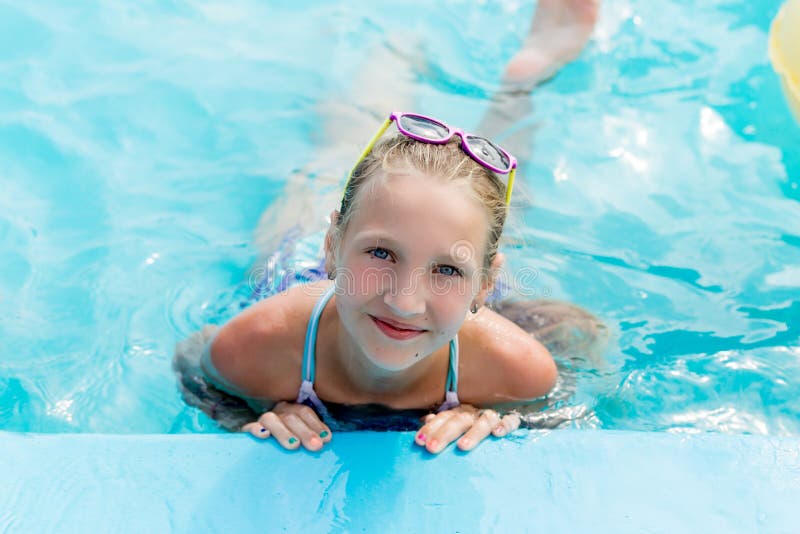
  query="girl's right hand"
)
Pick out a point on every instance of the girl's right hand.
point(291, 424)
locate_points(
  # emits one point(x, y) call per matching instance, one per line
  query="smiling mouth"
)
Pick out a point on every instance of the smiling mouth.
point(396, 331)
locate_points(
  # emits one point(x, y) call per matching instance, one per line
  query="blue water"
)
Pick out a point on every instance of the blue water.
point(139, 144)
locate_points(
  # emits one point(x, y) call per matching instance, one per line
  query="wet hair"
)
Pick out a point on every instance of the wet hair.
point(446, 162)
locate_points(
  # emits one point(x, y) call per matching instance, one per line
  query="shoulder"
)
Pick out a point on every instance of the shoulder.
point(501, 363)
point(258, 353)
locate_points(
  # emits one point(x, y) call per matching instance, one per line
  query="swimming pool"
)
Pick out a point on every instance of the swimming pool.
point(140, 144)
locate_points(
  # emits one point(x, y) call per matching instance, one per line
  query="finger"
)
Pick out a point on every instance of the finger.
point(313, 421)
point(300, 429)
point(257, 430)
point(433, 422)
point(488, 420)
point(450, 430)
point(508, 424)
point(303, 423)
point(275, 425)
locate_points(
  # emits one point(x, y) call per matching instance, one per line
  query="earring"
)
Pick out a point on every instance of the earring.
point(474, 308)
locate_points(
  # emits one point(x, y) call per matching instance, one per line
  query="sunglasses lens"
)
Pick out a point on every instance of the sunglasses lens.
point(488, 152)
point(424, 127)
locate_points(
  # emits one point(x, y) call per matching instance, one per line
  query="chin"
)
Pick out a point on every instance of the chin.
point(396, 361)
point(393, 356)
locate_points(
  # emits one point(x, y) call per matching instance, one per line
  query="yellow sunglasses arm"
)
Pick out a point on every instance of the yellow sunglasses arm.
point(368, 149)
point(510, 185)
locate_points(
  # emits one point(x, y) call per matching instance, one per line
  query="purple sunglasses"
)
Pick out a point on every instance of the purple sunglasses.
point(429, 130)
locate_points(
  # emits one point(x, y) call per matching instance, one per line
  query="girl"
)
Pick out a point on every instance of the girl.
point(400, 327)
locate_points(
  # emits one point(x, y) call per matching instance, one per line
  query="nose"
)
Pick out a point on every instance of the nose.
point(406, 297)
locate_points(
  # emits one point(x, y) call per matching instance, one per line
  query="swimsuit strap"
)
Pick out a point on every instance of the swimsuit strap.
point(307, 393)
point(451, 389)
point(311, 335)
point(452, 371)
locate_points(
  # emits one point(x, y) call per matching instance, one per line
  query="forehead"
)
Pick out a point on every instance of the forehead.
point(422, 210)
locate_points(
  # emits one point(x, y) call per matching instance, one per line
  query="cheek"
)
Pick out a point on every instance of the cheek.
point(452, 288)
point(361, 278)
point(451, 308)
point(461, 289)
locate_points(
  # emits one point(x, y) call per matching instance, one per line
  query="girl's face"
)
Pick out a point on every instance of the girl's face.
point(409, 266)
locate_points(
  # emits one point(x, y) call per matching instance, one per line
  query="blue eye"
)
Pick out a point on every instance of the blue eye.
point(449, 270)
point(380, 253)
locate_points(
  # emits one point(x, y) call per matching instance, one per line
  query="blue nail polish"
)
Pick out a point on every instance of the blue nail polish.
point(323, 434)
point(263, 430)
point(292, 441)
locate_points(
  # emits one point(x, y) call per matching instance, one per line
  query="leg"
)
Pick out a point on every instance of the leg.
point(559, 31)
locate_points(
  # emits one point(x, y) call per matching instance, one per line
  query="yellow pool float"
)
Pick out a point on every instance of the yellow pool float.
point(784, 52)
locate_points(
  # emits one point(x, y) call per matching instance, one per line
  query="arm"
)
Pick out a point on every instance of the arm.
point(258, 355)
point(501, 364)
point(210, 365)
point(199, 390)
point(252, 355)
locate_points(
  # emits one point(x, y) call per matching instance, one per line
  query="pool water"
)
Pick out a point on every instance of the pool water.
point(139, 144)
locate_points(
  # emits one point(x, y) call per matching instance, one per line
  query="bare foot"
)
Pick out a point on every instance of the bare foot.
point(559, 31)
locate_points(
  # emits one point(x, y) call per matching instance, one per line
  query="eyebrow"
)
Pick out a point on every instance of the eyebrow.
point(378, 237)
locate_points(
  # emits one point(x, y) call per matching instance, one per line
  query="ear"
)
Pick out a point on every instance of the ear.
point(487, 284)
point(497, 263)
point(331, 243)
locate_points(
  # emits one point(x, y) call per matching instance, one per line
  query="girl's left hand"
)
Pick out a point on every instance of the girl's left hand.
point(464, 421)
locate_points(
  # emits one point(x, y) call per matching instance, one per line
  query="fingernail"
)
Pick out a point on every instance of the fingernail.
point(465, 442)
point(323, 434)
point(263, 430)
point(421, 437)
point(292, 441)
point(433, 445)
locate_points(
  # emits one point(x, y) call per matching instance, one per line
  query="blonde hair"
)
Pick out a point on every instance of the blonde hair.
point(446, 162)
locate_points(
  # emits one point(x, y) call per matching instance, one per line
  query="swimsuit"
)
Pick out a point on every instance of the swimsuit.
point(309, 397)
